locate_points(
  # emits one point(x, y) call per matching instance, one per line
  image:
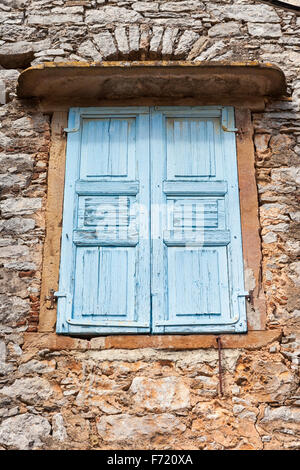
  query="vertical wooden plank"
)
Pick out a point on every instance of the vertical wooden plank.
point(249, 219)
point(51, 255)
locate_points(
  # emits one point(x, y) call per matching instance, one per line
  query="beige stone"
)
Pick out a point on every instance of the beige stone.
point(165, 394)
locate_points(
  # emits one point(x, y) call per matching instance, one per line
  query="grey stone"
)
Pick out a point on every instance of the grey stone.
point(3, 92)
point(283, 413)
point(212, 52)
point(24, 432)
point(155, 42)
point(145, 6)
point(126, 427)
point(11, 18)
point(20, 265)
point(267, 30)
point(182, 6)
point(256, 13)
point(104, 42)
point(5, 369)
point(20, 206)
point(185, 43)
point(5, 141)
point(54, 52)
point(17, 225)
point(2, 351)
point(225, 29)
point(88, 49)
point(58, 427)
point(16, 55)
point(198, 47)
point(35, 366)
point(12, 309)
point(112, 14)
point(18, 32)
point(15, 163)
point(122, 41)
point(54, 19)
point(134, 39)
point(182, 22)
point(169, 38)
point(270, 237)
point(30, 390)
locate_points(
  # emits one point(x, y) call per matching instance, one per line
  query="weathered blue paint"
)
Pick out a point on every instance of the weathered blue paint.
point(105, 261)
point(171, 170)
point(197, 264)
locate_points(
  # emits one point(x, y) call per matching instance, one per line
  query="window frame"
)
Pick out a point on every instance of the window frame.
point(249, 220)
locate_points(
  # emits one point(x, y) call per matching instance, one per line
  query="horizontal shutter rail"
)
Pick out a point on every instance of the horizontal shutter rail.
point(187, 111)
point(104, 188)
point(92, 238)
point(118, 324)
point(197, 238)
point(128, 111)
point(192, 188)
point(199, 321)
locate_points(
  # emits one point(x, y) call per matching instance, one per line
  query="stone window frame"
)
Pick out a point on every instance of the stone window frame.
point(252, 253)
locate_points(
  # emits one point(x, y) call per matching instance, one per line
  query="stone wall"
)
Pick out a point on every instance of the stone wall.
point(72, 393)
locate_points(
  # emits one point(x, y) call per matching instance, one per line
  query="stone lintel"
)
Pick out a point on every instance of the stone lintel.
point(213, 82)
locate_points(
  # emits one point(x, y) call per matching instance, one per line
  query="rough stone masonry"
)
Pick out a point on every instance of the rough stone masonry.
point(72, 393)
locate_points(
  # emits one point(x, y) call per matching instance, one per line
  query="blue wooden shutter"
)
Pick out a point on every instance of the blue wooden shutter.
point(197, 263)
point(104, 282)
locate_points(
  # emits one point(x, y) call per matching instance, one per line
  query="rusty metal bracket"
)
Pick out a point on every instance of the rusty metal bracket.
point(51, 298)
point(219, 343)
point(249, 297)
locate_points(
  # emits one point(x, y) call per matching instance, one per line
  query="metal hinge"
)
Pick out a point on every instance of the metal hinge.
point(224, 122)
point(76, 127)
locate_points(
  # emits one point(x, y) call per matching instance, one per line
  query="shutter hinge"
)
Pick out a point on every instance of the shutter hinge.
point(227, 126)
point(68, 130)
point(76, 127)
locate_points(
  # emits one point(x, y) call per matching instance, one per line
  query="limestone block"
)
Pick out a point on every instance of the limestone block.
point(51, 19)
point(134, 39)
point(167, 393)
point(17, 225)
point(58, 427)
point(88, 49)
point(145, 6)
point(122, 40)
point(266, 30)
point(24, 432)
point(104, 42)
point(182, 6)
point(229, 29)
point(257, 13)
point(112, 14)
point(30, 390)
point(128, 427)
point(212, 52)
point(16, 55)
point(11, 18)
point(282, 414)
point(185, 43)
point(21, 206)
point(157, 33)
point(168, 41)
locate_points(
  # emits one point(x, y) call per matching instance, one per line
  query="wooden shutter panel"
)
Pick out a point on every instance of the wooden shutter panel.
point(105, 255)
point(197, 263)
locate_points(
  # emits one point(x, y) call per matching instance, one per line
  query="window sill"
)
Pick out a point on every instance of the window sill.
point(53, 342)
